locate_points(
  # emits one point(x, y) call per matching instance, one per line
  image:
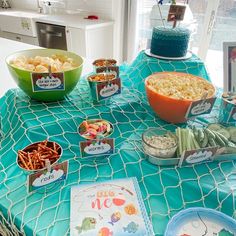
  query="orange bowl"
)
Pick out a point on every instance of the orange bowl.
point(170, 109)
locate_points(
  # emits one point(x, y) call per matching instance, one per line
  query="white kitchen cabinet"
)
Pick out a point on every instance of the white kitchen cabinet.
point(18, 26)
point(20, 38)
point(91, 43)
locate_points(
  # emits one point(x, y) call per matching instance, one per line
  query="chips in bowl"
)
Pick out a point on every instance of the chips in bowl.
point(32, 70)
point(41, 64)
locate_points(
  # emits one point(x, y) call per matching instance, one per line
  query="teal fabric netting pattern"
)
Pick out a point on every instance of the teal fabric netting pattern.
point(165, 190)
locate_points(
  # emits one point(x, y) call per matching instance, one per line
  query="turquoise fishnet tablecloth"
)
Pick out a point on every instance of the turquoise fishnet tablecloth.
point(165, 190)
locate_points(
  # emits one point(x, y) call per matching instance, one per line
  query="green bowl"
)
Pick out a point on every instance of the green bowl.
point(23, 78)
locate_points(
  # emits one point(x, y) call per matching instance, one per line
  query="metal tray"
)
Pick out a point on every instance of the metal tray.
point(175, 160)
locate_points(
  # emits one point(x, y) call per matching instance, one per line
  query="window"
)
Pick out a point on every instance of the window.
point(213, 22)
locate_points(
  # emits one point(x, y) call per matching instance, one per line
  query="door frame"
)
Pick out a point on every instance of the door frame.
point(208, 25)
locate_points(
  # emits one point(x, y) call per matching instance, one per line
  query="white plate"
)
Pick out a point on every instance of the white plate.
point(198, 221)
point(187, 56)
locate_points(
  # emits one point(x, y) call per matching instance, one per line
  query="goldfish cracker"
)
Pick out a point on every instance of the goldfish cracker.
point(70, 60)
point(66, 66)
point(20, 65)
point(22, 59)
point(29, 67)
point(47, 62)
point(37, 60)
point(41, 69)
point(56, 65)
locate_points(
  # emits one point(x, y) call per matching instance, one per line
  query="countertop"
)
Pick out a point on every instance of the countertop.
point(69, 20)
point(8, 47)
point(20, 13)
point(75, 21)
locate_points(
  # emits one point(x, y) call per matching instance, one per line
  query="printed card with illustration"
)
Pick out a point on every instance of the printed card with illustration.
point(198, 155)
point(108, 89)
point(200, 107)
point(176, 12)
point(42, 82)
point(40, 179)
point(110, 69)
point(97, 147)
point(109, 208)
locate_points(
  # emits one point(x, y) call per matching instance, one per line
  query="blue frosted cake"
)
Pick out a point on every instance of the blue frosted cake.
point(170, 42)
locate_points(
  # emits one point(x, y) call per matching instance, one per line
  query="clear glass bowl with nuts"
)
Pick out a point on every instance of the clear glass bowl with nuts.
point(159, 143)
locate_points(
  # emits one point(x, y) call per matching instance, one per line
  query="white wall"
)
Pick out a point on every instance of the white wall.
point(103, 8)
point(118, 17)
point(24, 4)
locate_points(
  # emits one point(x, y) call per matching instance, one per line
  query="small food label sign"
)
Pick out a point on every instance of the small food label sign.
point(200, 107)
point(176, 12)
point(109, 69)
point(108, 89)
point(198, 155)
point(232, 115)
point(57, 173)
point(42, 82)
point(97, 147)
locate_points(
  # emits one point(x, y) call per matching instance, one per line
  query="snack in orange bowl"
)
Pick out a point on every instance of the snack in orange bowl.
point(171, 93)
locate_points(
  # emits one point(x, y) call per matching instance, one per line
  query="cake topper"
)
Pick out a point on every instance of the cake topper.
point(176, 13)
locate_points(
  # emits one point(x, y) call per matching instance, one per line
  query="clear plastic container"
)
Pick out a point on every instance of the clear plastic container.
point(159, 143)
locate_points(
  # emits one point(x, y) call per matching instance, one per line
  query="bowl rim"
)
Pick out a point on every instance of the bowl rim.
point(179, 73)
point(104, 81)
point(37, 170)
point(96, 120)
point(43, 49)
point(104, 59)
point(227, 101)
point(167, 131)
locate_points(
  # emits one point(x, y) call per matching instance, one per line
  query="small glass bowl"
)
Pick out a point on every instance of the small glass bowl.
point(153, 151)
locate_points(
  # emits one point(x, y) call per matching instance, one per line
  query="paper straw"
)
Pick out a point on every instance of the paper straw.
point(163, 22)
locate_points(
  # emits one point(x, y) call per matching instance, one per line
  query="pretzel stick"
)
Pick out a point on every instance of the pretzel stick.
point(33, 157)
point(54, 146)
point(47, 148)
point(30, 163)
point(23, 162)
